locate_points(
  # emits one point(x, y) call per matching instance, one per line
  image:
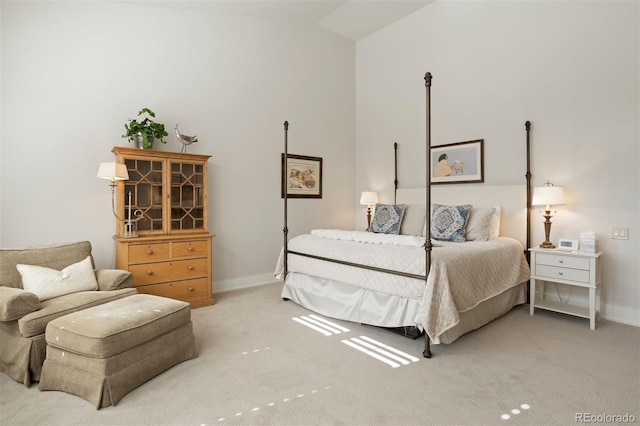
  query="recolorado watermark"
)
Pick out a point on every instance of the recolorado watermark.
point(604, 418)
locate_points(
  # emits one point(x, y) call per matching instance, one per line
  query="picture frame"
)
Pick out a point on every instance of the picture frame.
point(301, 176)
point(460, 162)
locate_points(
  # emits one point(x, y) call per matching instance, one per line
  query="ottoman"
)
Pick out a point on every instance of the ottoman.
point(104, 352)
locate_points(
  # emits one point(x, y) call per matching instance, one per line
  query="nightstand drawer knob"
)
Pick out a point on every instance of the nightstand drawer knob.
point(149, 251)
point(190, 267)
point(149, 272)
point(560, 273)
point(190, 288)
point(561, 261)
point(189, 248)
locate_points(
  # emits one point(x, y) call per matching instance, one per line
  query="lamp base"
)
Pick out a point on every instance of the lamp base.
point(130, 230)
point(547, 244)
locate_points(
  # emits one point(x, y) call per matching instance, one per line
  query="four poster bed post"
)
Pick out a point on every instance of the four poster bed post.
point(427, 243)
point(285, 230)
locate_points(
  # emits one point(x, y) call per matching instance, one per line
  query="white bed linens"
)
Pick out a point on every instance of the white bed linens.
point(462, 274)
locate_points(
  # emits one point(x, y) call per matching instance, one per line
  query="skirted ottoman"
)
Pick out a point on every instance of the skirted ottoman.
point(104, 352)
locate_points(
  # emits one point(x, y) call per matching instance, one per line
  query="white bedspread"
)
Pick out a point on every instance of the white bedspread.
point(461, 276)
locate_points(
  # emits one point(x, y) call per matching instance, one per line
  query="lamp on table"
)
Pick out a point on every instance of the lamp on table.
point(548, 196)
point(114, 172)
point(369, 199)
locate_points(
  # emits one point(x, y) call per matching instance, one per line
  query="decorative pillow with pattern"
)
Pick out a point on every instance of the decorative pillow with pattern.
point(387, 218)
point(47, 283)
point(447, 223)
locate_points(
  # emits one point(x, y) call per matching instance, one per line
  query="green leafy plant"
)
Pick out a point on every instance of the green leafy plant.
point(146, 128)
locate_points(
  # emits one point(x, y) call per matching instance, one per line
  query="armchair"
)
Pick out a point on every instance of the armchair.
point(24, 315)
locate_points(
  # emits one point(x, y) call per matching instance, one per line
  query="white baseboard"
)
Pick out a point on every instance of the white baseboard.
point(244, 282)
point(609, 312)
point(620, 314)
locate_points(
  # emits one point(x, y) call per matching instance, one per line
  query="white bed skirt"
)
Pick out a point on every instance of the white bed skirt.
point(347, 302)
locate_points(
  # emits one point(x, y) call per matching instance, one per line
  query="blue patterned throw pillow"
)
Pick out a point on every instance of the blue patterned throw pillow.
point(387, 218)
point(447, 223)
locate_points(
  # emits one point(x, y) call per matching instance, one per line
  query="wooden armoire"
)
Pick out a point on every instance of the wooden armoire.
point(170, 255)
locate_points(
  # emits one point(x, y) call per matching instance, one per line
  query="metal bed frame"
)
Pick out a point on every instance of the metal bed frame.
point(427, 244)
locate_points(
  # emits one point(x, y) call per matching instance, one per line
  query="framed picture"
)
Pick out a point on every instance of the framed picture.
point(301, 176)
point(461, 162)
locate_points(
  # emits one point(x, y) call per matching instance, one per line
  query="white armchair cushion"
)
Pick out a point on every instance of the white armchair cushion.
point(47, 283)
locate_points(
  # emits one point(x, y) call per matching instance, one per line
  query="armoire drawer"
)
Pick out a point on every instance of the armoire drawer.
point(150, 273)
point(153, 252)
point(189, 290)
point(182, 249)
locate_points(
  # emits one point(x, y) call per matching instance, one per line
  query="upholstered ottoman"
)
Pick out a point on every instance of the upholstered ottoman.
point(104, 352)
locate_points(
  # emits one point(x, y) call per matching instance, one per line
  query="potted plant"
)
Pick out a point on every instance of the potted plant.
point(145, 131)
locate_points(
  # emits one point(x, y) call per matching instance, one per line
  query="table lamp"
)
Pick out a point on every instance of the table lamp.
point(369, 199)
point(548, 196)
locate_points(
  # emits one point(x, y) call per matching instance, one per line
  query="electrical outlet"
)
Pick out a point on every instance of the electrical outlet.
point(620, 233)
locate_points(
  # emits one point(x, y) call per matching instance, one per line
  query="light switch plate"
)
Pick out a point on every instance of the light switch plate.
point(620, 233)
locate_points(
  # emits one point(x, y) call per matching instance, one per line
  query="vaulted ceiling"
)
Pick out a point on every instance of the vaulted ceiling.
point(353, 19)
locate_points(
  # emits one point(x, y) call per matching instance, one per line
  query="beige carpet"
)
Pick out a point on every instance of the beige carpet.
point(257, 365)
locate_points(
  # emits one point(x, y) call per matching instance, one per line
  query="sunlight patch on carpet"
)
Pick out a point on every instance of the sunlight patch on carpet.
point(256, 350)
point(255, 409)
point(515, 411)
point(378, 350)
point(320, 325)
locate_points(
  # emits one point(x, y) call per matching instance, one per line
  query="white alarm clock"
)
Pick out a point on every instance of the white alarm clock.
point(567, 245)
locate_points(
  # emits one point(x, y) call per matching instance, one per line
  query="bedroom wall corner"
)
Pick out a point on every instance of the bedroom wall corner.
point(571, 68)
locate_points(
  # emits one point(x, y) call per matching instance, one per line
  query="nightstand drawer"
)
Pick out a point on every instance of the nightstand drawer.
point(562, 261)
point(562, 273)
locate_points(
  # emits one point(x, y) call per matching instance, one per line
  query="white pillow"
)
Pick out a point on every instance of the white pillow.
point(478, 225)
point(47, 283)
point(494, 231)
point(413, 220)
point(483, 224)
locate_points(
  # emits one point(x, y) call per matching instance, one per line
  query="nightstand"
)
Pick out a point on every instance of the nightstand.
point(575, 268)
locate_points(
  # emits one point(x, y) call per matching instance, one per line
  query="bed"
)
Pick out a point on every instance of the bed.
point(410, 280)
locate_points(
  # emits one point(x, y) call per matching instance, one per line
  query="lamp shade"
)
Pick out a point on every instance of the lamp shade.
point(113, 171)
point(369, 198)
point(548, 195)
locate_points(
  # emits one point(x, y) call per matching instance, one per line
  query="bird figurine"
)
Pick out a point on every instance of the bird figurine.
point(185, 140)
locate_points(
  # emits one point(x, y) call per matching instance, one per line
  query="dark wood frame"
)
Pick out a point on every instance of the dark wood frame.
point(427, 244)
point(284, 164)
point(457, 178)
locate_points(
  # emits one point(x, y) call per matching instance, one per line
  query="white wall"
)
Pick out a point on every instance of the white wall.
point(571, 68)
point(74, 72)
